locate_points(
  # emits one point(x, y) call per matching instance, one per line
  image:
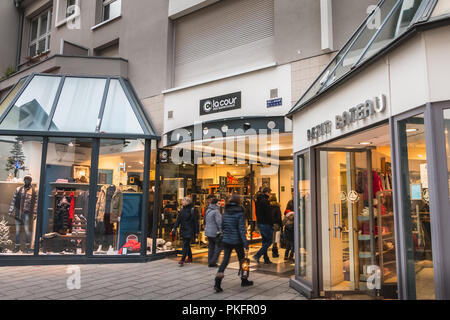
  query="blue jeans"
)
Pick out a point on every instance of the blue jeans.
point(26, 225)
point(267, 239)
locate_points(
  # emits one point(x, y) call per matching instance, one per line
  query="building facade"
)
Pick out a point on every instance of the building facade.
point(372, 176)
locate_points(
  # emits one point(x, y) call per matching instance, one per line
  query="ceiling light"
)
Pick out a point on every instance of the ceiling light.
point(412, 130)
point(420, 156)
point(221, 162)
point(365, 143)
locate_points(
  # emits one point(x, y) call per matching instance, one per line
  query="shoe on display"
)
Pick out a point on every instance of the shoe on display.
point(99, 248)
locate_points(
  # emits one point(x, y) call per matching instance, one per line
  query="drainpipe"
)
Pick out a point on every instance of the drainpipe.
point(18, 5)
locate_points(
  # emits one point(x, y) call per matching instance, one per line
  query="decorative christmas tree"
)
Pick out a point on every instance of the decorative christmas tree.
point(4, 235)
point(16, 161)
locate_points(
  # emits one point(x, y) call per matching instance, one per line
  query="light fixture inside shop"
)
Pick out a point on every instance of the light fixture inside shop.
point(365, 143)
point(412, 130)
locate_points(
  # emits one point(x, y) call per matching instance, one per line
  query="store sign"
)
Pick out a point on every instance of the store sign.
point(220, 104)
point(355, 114)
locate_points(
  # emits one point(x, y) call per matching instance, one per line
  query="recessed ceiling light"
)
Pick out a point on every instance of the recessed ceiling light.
point(412, 130)
point(365, 143)
point(420, 156)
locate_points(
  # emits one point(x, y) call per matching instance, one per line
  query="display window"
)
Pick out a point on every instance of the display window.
point(416, 205)
point(118, 211)
point(66, 203)
point(447, 143)
point(357, 214)
point(20, 159)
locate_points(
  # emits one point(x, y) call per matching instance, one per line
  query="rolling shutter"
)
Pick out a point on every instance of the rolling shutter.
point(223, 38)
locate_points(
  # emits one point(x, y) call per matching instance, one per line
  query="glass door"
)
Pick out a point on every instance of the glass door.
point(349, 249)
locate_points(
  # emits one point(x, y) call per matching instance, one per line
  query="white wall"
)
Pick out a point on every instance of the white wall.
point(178, 8)
point(254, 86)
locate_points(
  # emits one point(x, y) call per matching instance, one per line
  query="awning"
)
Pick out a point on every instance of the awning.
point(74, 104)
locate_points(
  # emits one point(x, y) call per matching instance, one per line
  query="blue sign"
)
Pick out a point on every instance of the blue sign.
point(416, 192)
point(274, 102)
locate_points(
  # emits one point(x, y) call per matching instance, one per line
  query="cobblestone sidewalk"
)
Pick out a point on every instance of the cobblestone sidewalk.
point(157, 280)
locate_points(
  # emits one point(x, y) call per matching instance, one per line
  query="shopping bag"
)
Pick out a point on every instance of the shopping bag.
point(244, 270)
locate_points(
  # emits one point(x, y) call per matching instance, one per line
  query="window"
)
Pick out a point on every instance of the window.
point(40, 28)
point(111, 9)
point(447, 142)
point(69, 10)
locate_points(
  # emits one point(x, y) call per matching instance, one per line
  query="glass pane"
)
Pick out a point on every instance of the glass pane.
point(396, 25)
point(34, 29)
point(44, 22)
point(447, 142)
point(152, 194)
point(33, 50)
point(304, 220)
point(19, 157)
point(119, 202)
point(41, 46)
point(5, 103)
point(119, 116)
point(112, 10)
point(32, 109)
point(79, 105)
point(372, 26)
point(417, 209)
point(66, 202)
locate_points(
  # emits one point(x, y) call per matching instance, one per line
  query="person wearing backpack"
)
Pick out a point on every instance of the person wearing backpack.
point(213, 230)
point(234, 237)
point(187, 221)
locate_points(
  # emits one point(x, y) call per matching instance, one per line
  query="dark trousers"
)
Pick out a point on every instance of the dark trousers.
point(214, 249)
point(186, 249)
point(267, 238)
point(289, 249)
point(227, 249)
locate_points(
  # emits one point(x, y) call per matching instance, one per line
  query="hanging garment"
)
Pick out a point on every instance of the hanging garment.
point(71, 210)
point(61, 215)
point(109, 201)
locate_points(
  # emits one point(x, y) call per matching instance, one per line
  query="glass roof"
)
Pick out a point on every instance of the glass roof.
point(389, 20)
point(74, 104)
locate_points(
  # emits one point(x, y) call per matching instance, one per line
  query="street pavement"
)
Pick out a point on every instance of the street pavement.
point(156, 280)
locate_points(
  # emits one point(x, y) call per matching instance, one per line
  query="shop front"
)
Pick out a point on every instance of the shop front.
point(372, 178)
point(78, 162)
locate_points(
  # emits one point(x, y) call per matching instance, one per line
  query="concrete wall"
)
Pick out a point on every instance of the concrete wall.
point(9, 26)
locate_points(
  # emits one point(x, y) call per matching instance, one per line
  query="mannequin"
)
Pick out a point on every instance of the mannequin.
point(24, 205)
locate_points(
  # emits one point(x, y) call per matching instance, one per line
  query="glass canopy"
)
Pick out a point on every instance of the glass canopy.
point(72, 104)
point(388, 21)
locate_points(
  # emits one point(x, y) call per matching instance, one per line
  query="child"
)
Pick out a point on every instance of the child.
point(288, 224)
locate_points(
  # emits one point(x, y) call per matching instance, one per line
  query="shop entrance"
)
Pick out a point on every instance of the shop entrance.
point(357, 215)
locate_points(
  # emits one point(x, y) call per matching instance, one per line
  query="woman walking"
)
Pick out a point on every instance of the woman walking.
point(213, 230)
point(187, 221)
point(289, 235)
point(277, 224)
point(234, 237)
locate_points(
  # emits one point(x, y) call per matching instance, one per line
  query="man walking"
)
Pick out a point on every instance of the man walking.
point(213, 230)
point(265, 224)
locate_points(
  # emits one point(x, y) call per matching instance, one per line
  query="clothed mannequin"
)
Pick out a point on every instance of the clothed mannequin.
point(24, 205)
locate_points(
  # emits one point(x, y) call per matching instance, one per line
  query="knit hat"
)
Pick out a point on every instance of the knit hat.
point(290, 213)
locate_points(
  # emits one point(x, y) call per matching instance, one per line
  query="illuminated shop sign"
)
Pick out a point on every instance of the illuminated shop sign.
point(219, 104)
point(360, 112)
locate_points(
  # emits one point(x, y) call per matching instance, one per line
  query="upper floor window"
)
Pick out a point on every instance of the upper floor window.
point(70, 3)
point(40, 33)
point(111, 9)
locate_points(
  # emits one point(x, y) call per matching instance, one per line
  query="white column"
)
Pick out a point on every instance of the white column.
point(326, 22)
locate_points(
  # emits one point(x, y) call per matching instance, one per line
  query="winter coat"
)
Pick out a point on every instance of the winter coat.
point(213, 221)
point(233, 226)
point(276, 213)
point(187, 221)
point(61, 216)
point(288, 229)
point(23, 202)
point(116, 204)
point(263, 211)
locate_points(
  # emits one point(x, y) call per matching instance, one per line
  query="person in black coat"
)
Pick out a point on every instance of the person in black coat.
point(234, 237)
point(187, 221)
point(264, 219)
point(277, 223)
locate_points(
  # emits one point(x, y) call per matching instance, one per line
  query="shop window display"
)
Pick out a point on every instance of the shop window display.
point(119, 203)
point(66, 202)
point(20, 159)
point(447, 143)
point(416, 208)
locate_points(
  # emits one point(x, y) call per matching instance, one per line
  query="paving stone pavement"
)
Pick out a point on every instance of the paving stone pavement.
point(157, 280)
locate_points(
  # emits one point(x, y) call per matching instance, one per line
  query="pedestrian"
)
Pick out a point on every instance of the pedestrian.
point(275, 207)
point(288, 223)
point(187, 221)
point(264, 220)
point(213, 230)
point(234, 237)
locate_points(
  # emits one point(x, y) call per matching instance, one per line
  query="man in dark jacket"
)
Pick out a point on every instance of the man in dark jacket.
point(187, 220)
point(264, 219)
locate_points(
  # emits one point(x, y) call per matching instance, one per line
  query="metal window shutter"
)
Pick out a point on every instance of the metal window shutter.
point(222, 37)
